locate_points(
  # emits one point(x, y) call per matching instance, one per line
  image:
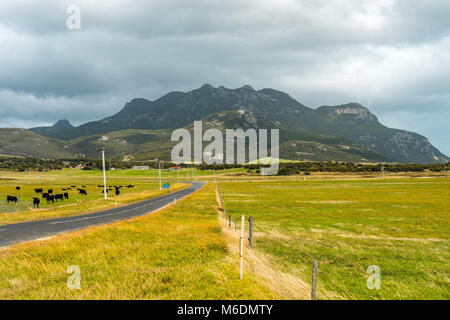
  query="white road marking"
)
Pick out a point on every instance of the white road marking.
point(106, 215)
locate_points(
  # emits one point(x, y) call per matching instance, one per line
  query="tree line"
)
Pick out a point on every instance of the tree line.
point(35, 164)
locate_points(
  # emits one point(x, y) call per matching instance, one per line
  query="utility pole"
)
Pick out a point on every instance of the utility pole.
point(104, 175)
point(241, 247)
point(178, 171)
point(159, 176)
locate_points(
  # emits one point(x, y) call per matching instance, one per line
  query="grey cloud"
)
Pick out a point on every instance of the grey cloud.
point(389, 55)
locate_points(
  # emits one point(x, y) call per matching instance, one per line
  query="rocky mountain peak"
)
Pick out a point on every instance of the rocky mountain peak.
point(207, 86)
point(247, 87)
point(354, 110)
point(63, 124)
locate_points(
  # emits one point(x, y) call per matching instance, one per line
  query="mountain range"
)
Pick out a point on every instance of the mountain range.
point(142, 129)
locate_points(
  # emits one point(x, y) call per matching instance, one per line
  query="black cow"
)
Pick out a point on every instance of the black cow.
point(83, 186)
point(59, 197)
point(18, 188)
point(36, 202)
point(38, 190)
point(117, 192)
point(50, 191)
point(64, 189)
point(82, 192)
point(73, 186)
point(12, 199)
point(45, 195)
point(103, 191)
point(66, 195)
point(51, 198)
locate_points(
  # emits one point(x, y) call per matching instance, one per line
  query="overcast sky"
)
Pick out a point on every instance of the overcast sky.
point(393, 56)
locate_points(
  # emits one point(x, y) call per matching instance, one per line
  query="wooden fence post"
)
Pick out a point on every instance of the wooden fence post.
point(241, 247)
point(250, 232)
point(314, 281)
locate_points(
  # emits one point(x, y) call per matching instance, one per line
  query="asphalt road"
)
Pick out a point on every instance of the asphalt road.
point(26, 231)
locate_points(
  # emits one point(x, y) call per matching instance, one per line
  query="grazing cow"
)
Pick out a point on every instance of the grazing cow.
point(64, 189)
point(100, 186)
point(38, 190)
point(51, 198)
point(83, 186)
point(83, 192)
point(45, 195)
point(117, 192)
point(36, 202)
point(18, 188)
point(59, 197)
point(12, 199)
point(69, 188)
point(50, 191)
point(103, 191)
point(66, 195)
point(73, 186)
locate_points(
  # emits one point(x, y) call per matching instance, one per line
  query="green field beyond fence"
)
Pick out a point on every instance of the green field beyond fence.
point(401, 226)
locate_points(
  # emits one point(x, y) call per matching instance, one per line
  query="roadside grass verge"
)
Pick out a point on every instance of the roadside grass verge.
point(402, 226)
point(176, 253)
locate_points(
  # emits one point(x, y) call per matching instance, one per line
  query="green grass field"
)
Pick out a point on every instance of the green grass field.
point(146, 186)
point(402, 226)
point(187, 251)
point(178, 253)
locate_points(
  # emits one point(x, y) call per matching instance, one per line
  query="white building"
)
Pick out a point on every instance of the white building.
point(141, 168)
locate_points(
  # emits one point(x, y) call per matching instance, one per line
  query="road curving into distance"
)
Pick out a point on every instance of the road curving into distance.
point(26, 231)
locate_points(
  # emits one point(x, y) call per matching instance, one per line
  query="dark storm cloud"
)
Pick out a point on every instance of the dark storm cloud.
point(392, 56)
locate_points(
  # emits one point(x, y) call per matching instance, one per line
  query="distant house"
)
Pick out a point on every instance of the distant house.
point(141, 168)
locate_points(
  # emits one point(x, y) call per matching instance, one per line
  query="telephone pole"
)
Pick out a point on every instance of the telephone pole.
point(104, 175)
point(159, 176)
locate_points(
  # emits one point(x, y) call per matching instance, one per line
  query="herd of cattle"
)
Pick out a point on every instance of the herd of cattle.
point(52, 197)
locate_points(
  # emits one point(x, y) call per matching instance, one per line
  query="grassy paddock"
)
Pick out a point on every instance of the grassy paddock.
point(145, 188)
point(177, 253)
point(400, 225)
point(345, 222)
